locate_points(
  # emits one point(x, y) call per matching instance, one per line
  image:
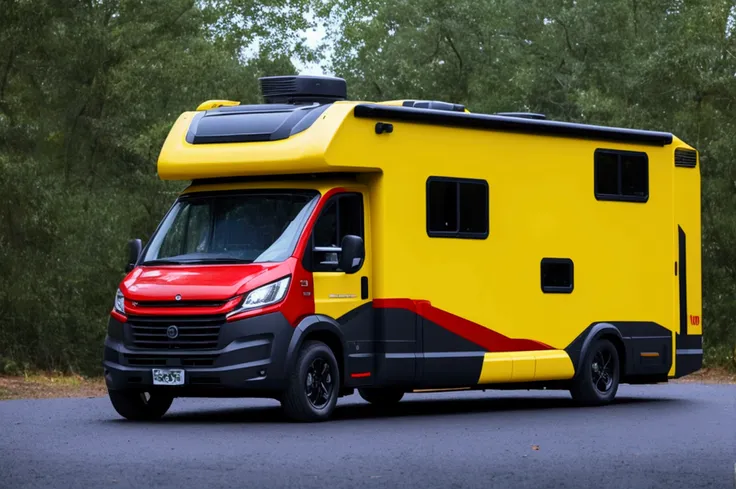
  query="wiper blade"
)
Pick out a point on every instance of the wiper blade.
point(162, 262)
point(217, 260)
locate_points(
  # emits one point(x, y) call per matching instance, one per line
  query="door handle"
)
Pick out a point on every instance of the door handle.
point(363, 287)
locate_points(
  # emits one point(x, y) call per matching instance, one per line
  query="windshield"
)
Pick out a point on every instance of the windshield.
point(233, 228)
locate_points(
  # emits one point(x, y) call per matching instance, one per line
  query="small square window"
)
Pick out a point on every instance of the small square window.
point(557, 275)
point(621, 176)
point(457, 208)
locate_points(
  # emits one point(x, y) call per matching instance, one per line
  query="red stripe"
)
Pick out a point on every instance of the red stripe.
point(480, 335)
point(360, 375)
point(118, 316)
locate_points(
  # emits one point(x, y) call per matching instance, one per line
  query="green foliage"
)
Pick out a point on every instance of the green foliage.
point(655, 64)
point(88, 92)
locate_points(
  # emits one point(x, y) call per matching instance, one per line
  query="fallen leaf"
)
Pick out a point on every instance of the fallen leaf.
point(535, 447)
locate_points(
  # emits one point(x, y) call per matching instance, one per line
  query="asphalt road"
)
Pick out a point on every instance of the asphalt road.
point(664, 436)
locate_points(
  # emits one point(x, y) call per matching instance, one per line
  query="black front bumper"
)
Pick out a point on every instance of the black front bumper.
point(249, 360)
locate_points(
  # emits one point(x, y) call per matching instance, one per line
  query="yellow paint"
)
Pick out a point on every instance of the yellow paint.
point(213, 104)
point(525, 366)
point(338, 293)
point(542, 204)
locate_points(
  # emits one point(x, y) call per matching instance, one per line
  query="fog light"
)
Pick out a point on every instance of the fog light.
point(261, 373)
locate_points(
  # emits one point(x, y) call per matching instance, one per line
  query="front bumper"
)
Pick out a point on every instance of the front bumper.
point(249, 360)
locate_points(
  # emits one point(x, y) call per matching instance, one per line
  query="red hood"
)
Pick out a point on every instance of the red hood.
point(199, 282)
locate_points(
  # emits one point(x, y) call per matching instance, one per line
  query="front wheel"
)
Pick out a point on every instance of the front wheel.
point(597, 381)
point(140, 406)
point(313, 386)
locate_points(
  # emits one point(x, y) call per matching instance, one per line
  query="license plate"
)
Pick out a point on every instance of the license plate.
point(168, 377)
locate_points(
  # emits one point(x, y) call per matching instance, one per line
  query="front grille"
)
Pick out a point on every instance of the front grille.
point(195, 332)
point(180, 303)
point(148, 360)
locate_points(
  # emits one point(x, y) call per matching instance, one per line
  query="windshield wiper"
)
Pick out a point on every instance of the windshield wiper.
point(162, 262)
point(216, 260)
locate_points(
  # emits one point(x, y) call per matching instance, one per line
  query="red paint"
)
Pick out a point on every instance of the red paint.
point(694, 320)
point(198, 282)
point(137, 310)
point(480, 335)
point(360, 375)
point(225, 283)
point(115, 314)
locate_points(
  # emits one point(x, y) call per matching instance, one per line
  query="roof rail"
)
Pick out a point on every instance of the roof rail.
point(523, 115)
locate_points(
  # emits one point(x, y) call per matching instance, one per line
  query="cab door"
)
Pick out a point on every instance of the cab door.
point(345, 297)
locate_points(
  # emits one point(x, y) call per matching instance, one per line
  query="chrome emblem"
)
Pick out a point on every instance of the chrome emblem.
point(172, 332)
point(178, 297)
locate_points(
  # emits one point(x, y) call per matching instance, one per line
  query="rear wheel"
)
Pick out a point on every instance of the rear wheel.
point(139, 405)
point(313, 386)
point(597, 381)
point(381, 397)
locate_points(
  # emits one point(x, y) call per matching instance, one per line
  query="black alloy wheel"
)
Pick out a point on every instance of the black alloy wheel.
point(601, 371)
point(596, 381)
point(319, 383)
point(313, 385)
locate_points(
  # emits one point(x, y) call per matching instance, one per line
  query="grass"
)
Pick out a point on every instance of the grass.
point(45, 385)
point(50, 385)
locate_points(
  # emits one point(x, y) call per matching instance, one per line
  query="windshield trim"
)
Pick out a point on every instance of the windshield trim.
point(307, 211)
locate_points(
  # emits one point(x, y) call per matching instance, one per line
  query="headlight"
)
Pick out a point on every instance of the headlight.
point(119, 302)
point(264, 296)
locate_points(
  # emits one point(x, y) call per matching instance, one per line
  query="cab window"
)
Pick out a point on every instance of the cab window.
point(342, 215)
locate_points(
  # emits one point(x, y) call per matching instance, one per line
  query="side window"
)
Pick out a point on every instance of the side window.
point(342, 215)
point(457, 208)
point(621, 176)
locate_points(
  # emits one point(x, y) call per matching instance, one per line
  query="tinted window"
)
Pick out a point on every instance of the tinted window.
point(457, 208)
point(238, 228)
point(342, 215)
point(557, 275)
point(621, 175)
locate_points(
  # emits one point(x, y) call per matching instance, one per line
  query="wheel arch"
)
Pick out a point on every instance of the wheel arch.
point(595, 332)
point(318, 328)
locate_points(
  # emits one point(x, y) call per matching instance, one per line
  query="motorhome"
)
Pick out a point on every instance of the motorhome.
point(325, 246)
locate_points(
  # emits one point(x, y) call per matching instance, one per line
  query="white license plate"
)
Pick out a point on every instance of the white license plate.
point(168, 377)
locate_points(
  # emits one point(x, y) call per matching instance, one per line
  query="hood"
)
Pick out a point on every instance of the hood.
point(199, 282)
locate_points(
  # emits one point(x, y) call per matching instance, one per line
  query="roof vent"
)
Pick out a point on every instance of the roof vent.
point(434, 104)
point(523, 115)
point(302, 89)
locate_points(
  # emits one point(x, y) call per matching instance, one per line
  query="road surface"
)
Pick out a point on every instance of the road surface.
point(663, 436)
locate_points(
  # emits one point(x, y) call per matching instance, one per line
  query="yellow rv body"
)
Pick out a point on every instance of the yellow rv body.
point(504, 251)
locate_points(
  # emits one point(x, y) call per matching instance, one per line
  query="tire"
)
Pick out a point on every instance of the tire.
point(140, 405)
point(314, 384)
point(591, 386)
point(381, 397)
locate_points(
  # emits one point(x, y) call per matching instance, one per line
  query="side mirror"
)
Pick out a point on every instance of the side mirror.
point(353, 253)
point(135, 246)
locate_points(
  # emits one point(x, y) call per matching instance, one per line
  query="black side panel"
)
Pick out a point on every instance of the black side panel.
point(682, 242)
point(688, 348)
point(689, 355)
point(448, 360)
point(357, 327)
point(647, 347)
point(397, 348)
point(510, 124)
